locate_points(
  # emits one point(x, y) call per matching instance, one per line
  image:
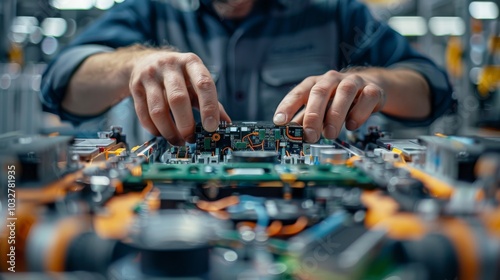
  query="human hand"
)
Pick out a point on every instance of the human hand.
point(330, 99)
point(166, 85)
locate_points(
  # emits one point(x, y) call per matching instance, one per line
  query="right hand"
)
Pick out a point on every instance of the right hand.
point(166, 84)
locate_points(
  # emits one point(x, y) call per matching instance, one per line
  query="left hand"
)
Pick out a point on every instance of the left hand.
point(330, 100)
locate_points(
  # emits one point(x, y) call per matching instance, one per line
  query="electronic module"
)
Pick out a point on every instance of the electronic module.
point(250, 200)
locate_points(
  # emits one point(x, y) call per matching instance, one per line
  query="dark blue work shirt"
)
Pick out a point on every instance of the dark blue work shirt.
point(254, 62)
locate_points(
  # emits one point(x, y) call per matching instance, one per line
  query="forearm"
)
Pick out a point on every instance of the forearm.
point(100, 82)
point(407, 92)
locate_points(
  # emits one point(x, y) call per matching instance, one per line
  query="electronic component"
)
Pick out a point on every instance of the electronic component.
point(37, 159)
point(249, 136)
point(253, 200)
point(454, 157)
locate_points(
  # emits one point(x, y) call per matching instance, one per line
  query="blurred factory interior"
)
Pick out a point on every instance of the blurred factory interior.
point(248, 198)
point(462, 36)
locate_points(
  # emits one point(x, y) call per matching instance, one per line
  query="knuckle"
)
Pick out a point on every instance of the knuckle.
point(320, 90)
point(137, 90)
point(372, 92)
point(313, 117)
point(334, 114)
point(348, 86)
point(355, 77)
point(147, 73)
point(205, 83)
point(191, 58)
point(177, 97)
point(310, 79)
point(331, 73)
point(158, 112)
point(209, 109)
point(167, 60)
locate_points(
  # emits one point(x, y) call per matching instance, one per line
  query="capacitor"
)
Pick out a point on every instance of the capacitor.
point(333, 155)
point(316, 151)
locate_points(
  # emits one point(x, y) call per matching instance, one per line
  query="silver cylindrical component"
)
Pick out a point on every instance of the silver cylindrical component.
point(333, 155)
point(317, 148)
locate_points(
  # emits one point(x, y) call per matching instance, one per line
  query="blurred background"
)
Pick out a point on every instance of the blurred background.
point(461, 35)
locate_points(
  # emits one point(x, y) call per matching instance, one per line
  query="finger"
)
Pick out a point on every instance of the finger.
point(179, 102)
point(299, 117)
point(293, 101)
point(160, 113)
point(346, 92)
point(369, 100)
point(141, 107)
point(205, 90)
point(223, 115)
point(316, 106)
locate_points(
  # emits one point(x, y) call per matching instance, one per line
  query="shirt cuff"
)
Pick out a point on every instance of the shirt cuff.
point(58, 75)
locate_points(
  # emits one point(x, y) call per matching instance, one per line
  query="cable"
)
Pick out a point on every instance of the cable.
point(212, 206)
point(227, 148)
point(295, 228)
point(292, 137)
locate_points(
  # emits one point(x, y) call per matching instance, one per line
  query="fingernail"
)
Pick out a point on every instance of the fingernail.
point(279, 118)
point(330, 132)
point(310, 135)
point(351, 125)
point(210, 124)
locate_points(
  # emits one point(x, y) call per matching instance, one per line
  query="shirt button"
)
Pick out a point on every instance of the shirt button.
point(240, 95)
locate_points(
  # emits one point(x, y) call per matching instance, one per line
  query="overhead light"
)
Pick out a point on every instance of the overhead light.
point(25, 21)
point(104, 4)
point(483, 10)
point(22, 27)
point(444, 26)
point(409, 26)
point(72, 4)
point(49, 45)
point(55, 27)
point(119, 1)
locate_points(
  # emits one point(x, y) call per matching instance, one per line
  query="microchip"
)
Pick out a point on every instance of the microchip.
point(250, 136)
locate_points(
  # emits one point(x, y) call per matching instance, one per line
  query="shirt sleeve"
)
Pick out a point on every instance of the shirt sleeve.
point(125, 24)
point(368, 42)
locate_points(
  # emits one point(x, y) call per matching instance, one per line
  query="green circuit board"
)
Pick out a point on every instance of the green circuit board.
point(244, 173)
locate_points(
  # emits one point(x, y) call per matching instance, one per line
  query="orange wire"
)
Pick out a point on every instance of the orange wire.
point(292, 137)
point(218, 205)
point(153, 200)
point(297, 227)
point(248, 135)
point(147, 189)
point(226, 149)
point(274, 228)
point(246, 224)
